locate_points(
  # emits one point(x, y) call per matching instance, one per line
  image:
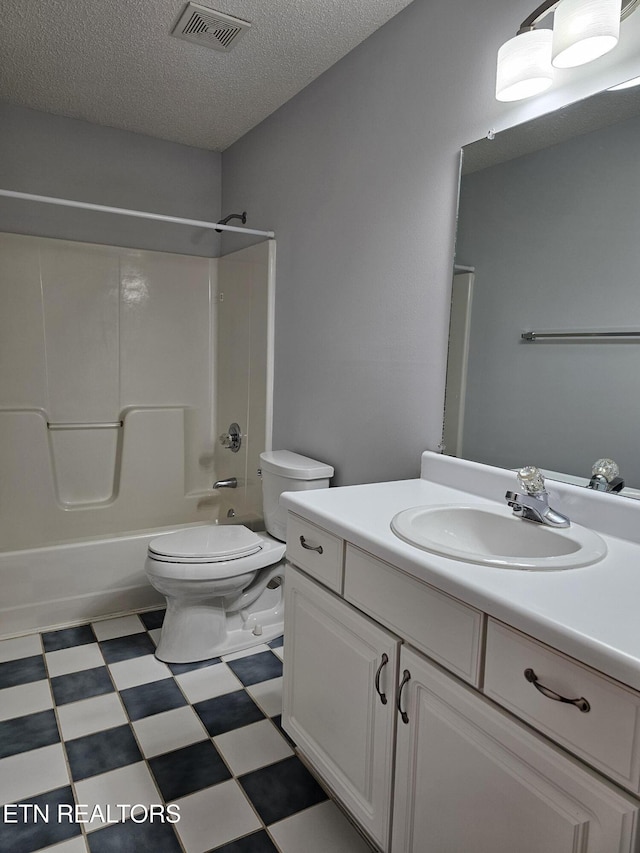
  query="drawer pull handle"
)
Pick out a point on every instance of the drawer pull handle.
point(384, 661)
point(580, 703)
point(308, 547)
point(406, 675)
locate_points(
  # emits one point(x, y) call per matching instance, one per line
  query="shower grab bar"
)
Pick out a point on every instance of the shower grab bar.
point(531, 337)
point(112, 425)
point(123, 211)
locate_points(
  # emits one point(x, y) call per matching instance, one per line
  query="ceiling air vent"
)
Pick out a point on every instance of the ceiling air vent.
point(207, 27)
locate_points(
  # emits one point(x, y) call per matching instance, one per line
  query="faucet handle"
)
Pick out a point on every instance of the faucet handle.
point(531, 480)
point(606, 468)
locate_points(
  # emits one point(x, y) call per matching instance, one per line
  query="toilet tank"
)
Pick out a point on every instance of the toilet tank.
point(284, 471)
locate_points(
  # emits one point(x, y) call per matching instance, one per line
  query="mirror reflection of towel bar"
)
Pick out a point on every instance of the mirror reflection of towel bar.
point(537, 336)
point(113, 425)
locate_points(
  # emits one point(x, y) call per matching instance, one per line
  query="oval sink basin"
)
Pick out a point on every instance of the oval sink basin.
point(495, 537)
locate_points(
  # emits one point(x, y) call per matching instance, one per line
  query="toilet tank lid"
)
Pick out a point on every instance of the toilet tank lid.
point(293, 465)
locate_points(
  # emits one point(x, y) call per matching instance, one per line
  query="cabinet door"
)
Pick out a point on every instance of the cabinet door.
point(470, 777)
point(334, 677)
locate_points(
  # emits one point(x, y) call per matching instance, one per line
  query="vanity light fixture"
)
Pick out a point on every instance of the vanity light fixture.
point(582, 31)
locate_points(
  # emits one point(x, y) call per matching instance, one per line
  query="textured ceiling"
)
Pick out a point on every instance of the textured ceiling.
point(114, 62)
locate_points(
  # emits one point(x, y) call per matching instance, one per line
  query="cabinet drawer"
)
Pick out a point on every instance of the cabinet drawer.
point(442, 627)
point(317, 552)
point(606, 735)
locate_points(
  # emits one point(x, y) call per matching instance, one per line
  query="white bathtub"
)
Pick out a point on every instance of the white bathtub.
point(60, 585)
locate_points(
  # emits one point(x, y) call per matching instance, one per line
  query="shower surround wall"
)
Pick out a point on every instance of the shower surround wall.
point(98, 335)
point(244, 372)
point(109, 386)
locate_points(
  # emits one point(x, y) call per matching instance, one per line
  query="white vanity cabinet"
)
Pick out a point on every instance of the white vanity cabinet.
point(338, 700)
point(438, 767)
point(469, 777)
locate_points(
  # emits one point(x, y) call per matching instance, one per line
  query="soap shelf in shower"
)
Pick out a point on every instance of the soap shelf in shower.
point(112, 425)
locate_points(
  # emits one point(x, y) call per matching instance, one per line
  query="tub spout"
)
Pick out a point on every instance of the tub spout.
point(230, 483)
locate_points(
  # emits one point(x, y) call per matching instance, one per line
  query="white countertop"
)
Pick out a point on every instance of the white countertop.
point(591, 613)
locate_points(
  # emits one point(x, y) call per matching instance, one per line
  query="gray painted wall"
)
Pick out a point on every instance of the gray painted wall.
point(358, 177)
point(55, 156)
point(553, 237)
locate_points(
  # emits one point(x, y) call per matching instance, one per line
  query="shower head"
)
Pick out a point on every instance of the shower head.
point(241, 216)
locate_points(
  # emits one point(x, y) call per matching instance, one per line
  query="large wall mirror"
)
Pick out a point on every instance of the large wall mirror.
point(549, 242)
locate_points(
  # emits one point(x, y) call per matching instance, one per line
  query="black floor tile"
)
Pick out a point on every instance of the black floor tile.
point(22, 671)
point(258, 842)
point(67, 637)
point(81, 685)
point(131, 837)
point(256, 668)
point(278, 643)
point(29, 732)
point(179, 668)
point(281, 789)
point(152, 619)
point(103, 751)
point(187, 770)
point(124, 648)
point(34, 832)
point(231, 711)
point(153, 698)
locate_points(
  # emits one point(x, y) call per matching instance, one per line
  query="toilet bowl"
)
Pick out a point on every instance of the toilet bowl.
point(223, 583)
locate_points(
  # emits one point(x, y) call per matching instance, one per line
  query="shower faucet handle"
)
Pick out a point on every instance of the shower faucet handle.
point(232, 440)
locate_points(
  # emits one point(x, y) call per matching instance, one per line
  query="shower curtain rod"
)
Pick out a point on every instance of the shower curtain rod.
point(123, 211)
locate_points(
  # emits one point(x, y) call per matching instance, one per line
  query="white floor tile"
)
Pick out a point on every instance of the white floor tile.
point(127, 786)
point(25, 699)
point(279, 652)
point(135, 671)
point(317, 830)
point(168, 731)
point(252, 746)
point(154, 633)
point(107, 629)
point(214, 817)
point(210, 681)
point(33, 772)
point(20, 647)
point(254, 650)
point(91, 715)
point(268, 694)
point(75, 659)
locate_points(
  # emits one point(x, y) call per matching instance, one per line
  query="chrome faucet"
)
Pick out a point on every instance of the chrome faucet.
point(231, 483)
point(533, 503)
point(604, 477)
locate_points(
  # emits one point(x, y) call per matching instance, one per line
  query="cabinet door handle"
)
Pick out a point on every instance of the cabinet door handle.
point(406, 675)
point(580, 703)
point(383, 662)
point(308, 547)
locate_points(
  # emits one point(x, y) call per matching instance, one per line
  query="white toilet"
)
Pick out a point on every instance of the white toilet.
point(223, 583)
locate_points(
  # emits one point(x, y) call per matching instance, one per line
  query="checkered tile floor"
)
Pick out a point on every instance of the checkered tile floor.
point(89, 717)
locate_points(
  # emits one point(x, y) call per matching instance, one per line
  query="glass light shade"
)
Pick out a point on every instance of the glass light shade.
point(524, 66)
point(584, 30)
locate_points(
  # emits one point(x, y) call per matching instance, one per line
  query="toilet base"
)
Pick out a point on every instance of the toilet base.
point(192, 633)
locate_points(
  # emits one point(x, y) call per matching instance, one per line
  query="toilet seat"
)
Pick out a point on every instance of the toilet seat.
point(202, 569)
point(207, 544)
